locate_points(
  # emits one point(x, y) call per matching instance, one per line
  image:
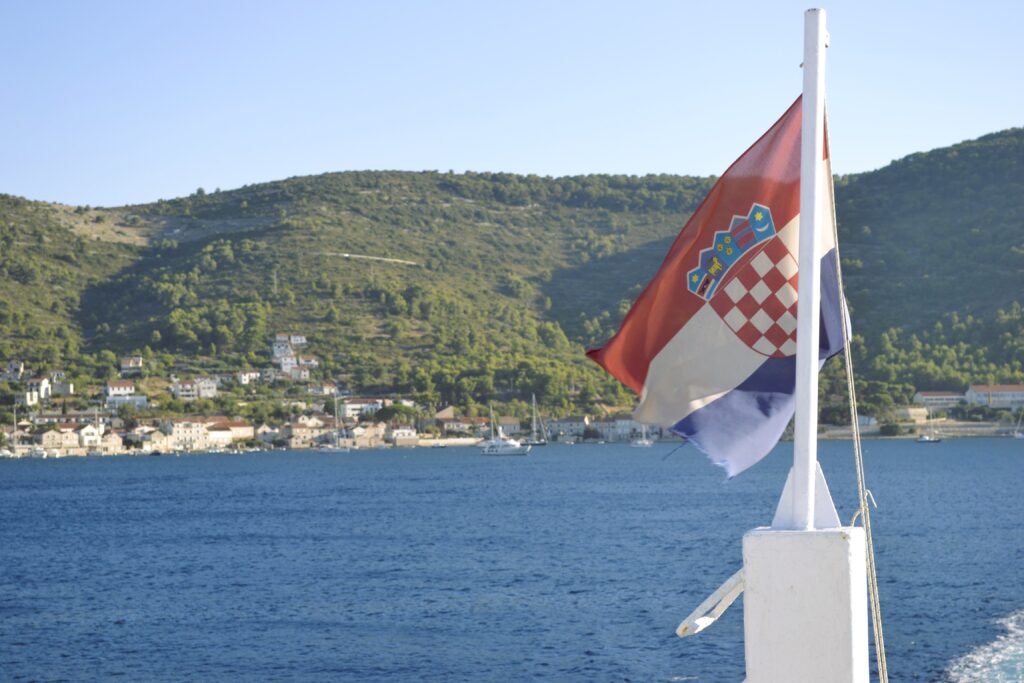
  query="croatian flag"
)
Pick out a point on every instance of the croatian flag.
point(710, 344)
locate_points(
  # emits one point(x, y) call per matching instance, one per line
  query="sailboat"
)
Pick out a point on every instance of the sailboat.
point(1017, 433)
point(643, 441)
point(499, 444)
point(335, 447)
point(537, 437)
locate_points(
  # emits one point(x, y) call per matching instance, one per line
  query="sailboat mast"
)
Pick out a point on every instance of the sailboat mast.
point(533, 419)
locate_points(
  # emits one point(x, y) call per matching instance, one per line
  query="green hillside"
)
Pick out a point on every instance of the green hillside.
point(496, 282)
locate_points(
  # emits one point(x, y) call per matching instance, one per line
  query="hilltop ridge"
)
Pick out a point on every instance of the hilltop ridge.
point(514, 274)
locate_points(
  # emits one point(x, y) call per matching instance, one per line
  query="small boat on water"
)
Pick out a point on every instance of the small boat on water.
point(929, 438)
point(643, 441)
point(499, 444)
point(335, 446)
point(537, 437)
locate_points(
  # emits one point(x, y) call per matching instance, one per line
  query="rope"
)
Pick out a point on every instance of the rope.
point(864, 493)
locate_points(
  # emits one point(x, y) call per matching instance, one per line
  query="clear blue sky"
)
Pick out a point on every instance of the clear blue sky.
point(107, 103)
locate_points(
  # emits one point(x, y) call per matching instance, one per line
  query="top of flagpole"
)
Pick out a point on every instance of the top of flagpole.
point(812, 150)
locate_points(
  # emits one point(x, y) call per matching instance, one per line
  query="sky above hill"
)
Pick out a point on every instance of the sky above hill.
point(109, 103)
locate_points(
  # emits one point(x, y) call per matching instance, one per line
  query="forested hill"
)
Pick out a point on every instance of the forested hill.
point(496, 282)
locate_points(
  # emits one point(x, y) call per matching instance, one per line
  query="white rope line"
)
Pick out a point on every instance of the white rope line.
point(863, 492)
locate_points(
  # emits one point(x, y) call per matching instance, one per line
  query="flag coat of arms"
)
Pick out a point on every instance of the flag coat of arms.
point(710, 344)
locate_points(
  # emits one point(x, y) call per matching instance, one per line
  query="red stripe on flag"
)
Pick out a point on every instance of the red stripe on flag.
point(767, 173)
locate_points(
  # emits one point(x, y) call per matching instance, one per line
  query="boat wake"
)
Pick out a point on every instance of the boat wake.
point(1001, 661)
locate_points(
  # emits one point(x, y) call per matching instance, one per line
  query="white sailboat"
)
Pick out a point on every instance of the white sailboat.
point(538, 437)
point(336, 447)
point(1017, 433)
point(499, 444)
point(643, 441)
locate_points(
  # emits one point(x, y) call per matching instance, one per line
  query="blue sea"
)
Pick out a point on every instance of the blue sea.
point(575, 563)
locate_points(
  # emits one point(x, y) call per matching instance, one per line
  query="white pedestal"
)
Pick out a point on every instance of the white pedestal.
point(805, 616)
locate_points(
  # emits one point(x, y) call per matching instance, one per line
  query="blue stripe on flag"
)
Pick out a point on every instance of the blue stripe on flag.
point(737, 429)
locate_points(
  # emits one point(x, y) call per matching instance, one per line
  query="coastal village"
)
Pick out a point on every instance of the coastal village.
point(125, 420)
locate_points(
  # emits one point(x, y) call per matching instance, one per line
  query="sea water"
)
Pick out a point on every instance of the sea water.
point(575, 563)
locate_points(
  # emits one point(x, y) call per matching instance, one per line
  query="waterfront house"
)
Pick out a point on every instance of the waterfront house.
point(509, 424)
point(157, 441)
point(218, 435)
point(996, 395)
point(303, 434)
point(187, 434)
point(61, 438)
point(915, 414)
point(573, 426)
point(111, 443)
point(938, 399)
point(402, 435)
point(266, 434)
point(89, 436)
point(369, 435)
point(240, 430)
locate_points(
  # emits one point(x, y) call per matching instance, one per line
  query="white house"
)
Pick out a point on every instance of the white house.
point(309, 361)
point(281, 348)
point(287, 362)
point(137, 401)
point(89, 435)
point(996, 395)
point(219, 436)
point(187, 435)
point(192, 389)
point(299, 373)
point(40, 385)
point(618, 429)
point(27, 398)
point(297, 339)
point(322, 388)
point(246, 377)
point(131, 366)
point(569, 426)
point(938, 399)
point(266, 433)
point(404, 435)
point(120, 387)
point(15, 370)
point(356, 407)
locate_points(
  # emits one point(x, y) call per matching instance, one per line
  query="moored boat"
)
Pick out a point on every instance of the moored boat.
point(499, 444)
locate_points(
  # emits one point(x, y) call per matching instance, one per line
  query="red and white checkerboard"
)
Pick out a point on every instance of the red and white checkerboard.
point(759, 302)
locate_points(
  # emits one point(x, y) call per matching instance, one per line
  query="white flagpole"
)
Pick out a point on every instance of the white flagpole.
point(812, 201)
